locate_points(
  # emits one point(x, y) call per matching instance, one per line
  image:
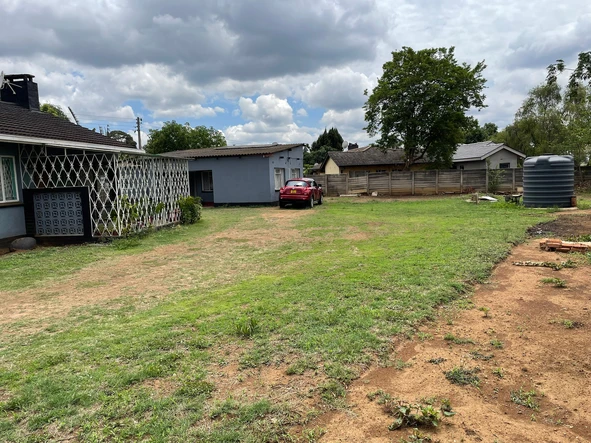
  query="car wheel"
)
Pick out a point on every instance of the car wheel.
point(281, 204)
point(320, 200)
point(311, 202)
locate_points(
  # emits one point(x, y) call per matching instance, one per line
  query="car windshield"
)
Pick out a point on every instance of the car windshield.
point(297, 183)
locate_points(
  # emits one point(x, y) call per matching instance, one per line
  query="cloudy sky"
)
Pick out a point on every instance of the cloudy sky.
point(267, 71)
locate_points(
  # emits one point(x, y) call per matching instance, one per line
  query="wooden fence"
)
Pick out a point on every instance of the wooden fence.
point(419, 182)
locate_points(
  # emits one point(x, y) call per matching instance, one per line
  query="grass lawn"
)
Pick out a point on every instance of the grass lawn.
point(328, 294)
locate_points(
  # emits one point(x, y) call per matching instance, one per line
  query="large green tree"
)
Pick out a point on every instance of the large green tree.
point(122, 137)
point(552, 120)
point(329, 140)
point(581, 74)
point(54, 110)
point(174, 136)
point(420, 103)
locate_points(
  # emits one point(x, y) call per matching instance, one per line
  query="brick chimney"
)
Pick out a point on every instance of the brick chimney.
point(26, 93)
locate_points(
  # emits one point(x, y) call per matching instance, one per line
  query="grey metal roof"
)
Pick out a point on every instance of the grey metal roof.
point(480, 151)
point(234, 151)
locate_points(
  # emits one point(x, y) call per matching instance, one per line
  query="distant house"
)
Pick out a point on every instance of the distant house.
point(485, 155)
point(58, 179)
point(242, 174)
point(359, 162)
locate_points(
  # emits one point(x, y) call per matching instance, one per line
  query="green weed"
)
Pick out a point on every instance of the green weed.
point(556, 282)
point(462, 376)
point(246, 327)
point(457, 340)
point(499, 372)
point(525, 398)
point(497, 344)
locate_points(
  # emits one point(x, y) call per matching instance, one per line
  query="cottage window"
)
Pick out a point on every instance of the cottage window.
point(504, 165)
point(356, 174)
point(279, 178)
point(8, 184)
point(207, 181)
point(295, 173)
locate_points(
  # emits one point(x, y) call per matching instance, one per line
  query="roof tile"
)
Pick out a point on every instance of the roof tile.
point(19, 121)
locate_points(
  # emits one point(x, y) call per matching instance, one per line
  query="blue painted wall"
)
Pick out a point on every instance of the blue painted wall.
point(12, 215)
point(247, 179)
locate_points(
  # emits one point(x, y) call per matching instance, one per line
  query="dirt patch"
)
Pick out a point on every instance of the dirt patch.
point(532, 344)
point(565, 226)
point(148, 276)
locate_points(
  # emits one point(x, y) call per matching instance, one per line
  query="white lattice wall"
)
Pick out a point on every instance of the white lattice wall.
point(127, 192)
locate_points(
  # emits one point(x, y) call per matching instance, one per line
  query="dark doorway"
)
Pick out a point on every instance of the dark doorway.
point(202, 186)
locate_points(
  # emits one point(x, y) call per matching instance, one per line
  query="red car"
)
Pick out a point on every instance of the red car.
point(300, 191)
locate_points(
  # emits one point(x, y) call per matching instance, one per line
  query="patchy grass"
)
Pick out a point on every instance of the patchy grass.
point(556, 282)
point(526, 398)
point(458, 340)
point(462, 376)
point(322, 297)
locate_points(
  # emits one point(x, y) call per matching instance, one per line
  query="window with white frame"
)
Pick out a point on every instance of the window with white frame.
point(295, 173)
point(8, 184)
point(279, 178)
point(207, 181)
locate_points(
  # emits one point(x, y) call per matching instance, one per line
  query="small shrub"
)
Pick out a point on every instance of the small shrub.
point(436, 361)
point(190, 209)
point(457, 340)
point(246, 327)
point(485, 310)
point(570, 324)
point(478, 356)
point(382, 396)
point(462, 376)
point(499, 372)
point(556, 282)
point(497, 344)
point(495, 176)
point(525, 398)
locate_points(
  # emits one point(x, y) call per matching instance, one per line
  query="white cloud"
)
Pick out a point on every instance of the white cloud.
point(271, 120)
point(338, 89)
point(302, 112)
point(267, 109)
point(251, 133)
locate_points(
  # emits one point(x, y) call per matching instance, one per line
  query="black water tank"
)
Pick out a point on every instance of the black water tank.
point(548, 181)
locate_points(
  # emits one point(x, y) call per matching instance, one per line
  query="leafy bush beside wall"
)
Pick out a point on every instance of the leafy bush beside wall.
point(190, 209)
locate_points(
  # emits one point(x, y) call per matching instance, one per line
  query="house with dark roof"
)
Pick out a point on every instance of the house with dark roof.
point(359, 162)
point(250, 174)
point(59, 179)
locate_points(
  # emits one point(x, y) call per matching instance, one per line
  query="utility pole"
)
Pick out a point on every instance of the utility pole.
point(139, 133)
point(74, 115)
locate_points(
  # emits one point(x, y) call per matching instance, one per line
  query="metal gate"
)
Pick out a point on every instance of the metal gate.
point(58, 214)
